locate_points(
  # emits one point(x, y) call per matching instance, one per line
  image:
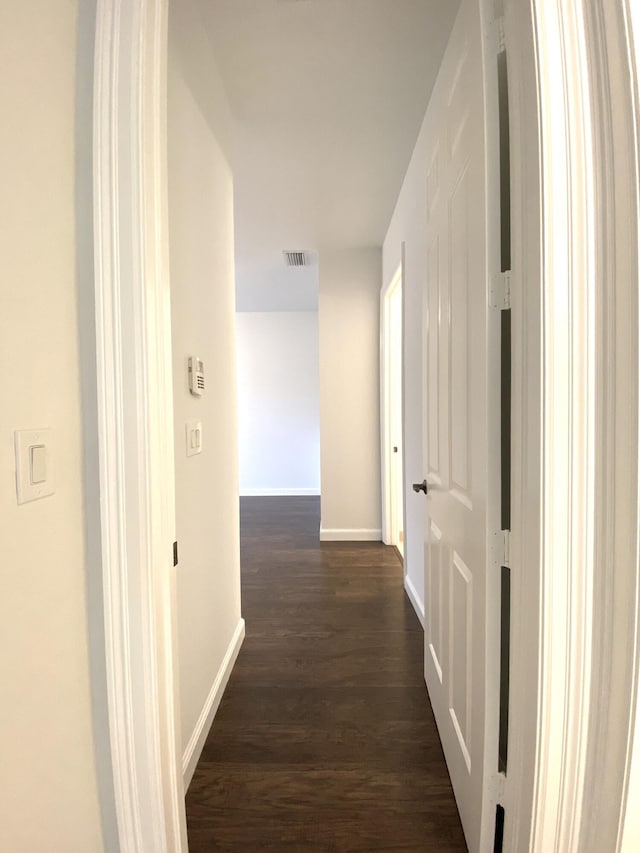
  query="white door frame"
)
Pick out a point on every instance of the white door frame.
point(385, 406)
point(135, 422)
point(575, 64)
point(574, 560)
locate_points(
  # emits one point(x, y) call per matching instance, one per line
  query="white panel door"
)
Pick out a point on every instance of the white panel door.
point(456, 421)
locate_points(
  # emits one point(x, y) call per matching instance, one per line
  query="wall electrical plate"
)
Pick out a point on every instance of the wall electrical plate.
point(34, 464)
point(193, 435)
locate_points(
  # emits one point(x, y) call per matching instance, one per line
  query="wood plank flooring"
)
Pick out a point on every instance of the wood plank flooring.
point(325, 740)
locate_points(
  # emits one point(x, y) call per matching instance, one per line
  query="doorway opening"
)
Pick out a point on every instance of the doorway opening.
point(391, 384)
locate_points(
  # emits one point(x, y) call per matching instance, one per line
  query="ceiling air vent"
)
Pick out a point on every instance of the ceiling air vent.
point(296, 259)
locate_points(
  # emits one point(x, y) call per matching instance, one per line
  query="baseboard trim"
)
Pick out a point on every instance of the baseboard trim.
point(353, 535)
point(205, 720)
point(414, 598)
point(284, 492)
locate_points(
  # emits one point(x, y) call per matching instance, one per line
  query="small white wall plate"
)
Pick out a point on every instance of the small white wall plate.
point(193, 435)
point(34, 446)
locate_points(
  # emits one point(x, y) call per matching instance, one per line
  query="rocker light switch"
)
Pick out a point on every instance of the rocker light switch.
point(38, 460)
point(194, 437)
point(34, 467)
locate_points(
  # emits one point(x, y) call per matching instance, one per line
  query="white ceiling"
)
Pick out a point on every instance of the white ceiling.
point(328, 97)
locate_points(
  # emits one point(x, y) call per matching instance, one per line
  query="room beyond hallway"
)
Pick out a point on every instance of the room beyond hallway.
point(325, 740)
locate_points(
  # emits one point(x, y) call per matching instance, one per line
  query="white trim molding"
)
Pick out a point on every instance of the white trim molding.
point(574, 543)
point(386, 291)
point(568, 417)
point(358, 534)
point(613, 82)
point(194, 747)
point(414, 598)
point(628, 839)
point(135, 430)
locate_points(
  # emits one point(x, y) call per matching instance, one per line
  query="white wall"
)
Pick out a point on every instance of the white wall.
point(203, 320)
point(349, 314)
point(48, 773)
point(264, 283)
point(409, 224)
point(279, 402)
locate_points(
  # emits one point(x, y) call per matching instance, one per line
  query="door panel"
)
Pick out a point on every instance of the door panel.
point(456, 419)
point(434, 599)
point(458, 384)
point(433, 383)
point(460, 639)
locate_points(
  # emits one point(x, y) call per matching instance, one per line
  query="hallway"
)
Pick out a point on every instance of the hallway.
point(324, 740)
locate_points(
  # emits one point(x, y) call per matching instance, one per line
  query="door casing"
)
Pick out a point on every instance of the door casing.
point(574, 541)
point(585, 59)
point(134, 389)
point(391, 338)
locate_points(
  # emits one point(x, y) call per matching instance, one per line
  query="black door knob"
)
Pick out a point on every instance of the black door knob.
point(420, 487)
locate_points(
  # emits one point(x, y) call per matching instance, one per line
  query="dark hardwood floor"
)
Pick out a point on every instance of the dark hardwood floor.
point(325, 740)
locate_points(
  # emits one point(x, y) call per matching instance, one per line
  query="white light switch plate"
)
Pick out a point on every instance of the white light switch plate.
point(193, 435)
point(34, 464)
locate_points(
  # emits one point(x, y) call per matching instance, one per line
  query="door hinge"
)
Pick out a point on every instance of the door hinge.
point(502, 547)
point(500, 291)
point(499, 786)
point(175, 554)
point(496, 787)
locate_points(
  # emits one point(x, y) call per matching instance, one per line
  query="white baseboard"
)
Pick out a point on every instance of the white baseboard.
point(205, 720)
point(414, 598)
point(353, 535)
point(284, 492)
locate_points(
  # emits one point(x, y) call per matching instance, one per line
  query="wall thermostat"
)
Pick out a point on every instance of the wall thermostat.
point(196, 376)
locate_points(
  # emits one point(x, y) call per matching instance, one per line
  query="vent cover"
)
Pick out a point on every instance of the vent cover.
point(298, 258)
